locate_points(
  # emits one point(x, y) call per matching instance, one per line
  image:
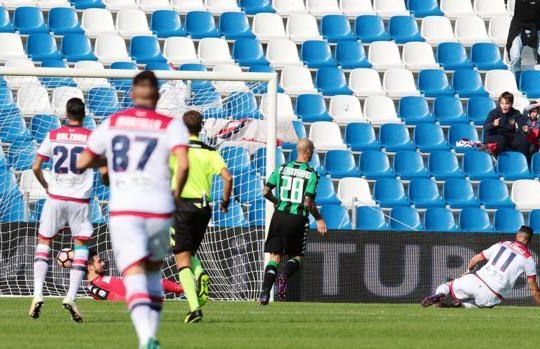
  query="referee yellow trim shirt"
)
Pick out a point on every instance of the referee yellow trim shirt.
point(204, 163)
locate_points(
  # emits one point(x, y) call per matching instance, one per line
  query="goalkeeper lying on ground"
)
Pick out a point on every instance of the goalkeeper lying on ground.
point(111, 288)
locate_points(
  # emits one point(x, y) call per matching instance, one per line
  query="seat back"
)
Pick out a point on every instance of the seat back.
point(405, 219)
point(409, 164)
point(370, 218)
point(354, 190)
point(336, 217)
point(474, 219)
point(439, 219)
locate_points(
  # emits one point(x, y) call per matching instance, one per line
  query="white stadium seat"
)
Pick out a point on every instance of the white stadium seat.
point(31, 189)
point(365, 82)
point(354, 8)
point(471, 30)
point(285, 111)
point(345, 109)
point(34, 100)
point(154, 5)
point(214, 51)
point(326, 135)
point(498, 29)
point(384, 55)
point(229, 86)
point(117, 5)
point(399, 83)
point(296, 80)
point(180, 50)
point(282, 52)
point(323, 7)
point(302, 27)
point(184, 6)
point(353, 191)
point(96, 21)
point(60, 97)
point(499, 81)
point(49, 4)
point(86, 84)
point(13, 4)
point(268, 26)
point(418, 56)
point(11, 46)
point(490, 8)
point(221, 6)
point(437, 29)
point(526, 194)
point(390, 8)
point(288, 7)
point(380, 110)
point(457, 8)
point(132, 22)
point(111, 48)
point(16, 82)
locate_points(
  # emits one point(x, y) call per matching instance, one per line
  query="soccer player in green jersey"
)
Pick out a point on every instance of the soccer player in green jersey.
point(296, 186)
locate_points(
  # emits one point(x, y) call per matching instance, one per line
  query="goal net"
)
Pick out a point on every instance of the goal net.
point(32, 102)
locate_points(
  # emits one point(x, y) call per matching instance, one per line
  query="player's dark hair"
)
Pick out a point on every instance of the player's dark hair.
point(525, 229)
point(507, 96)
point(91, 254)
point(146, 78)
point(75, 109)
point(193, 121)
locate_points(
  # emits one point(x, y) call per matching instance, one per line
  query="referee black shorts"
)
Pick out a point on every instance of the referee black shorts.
point(287, 234)
point(190, 223)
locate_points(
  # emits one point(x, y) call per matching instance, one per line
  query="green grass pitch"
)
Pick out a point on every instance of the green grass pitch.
point(279, 325)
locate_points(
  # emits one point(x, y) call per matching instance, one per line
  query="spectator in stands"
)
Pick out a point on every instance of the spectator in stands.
point(532, 127)
point(504, 126)
point(524, 31)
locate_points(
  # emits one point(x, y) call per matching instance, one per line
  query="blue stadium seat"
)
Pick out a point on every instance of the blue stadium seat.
point(100, 190)
point(7, 103)
point(405, 219)
point(370, 218)
point(326, 195)
point(258, 87)
point(96, 216)
point(444, 165)
point(201, 24)
point(145, 49)
point(474, 220)
point(15, 211)
point(507, 220)
point(103, 101)
point(395, 137)
point(468, 83)
point(257, 213)
point(235, 25)
point(423, 193)
point(439, 219)
point(8, 182)
point(122, 84)
point(478, 165)
point(197, 84)
point(414, 110)
point(462, 131)
point(166, 23)
point(370, 28)
point(361, 137)
point(13, 126)
point(20, 154)
point(42, 46)
point(336, 217)
point(459, 193)
point(300, 131)
point(315, 161)
point(249, 52)
point(340, 164)
point(249, 188)
point(534, 220)
point(486, 56)
point(312, 108)
point(331, 81)
point(434, 83)
point(479, 107)
point(29, 19)
point(5, 22)
point(535, 165)
point(64, 20)
point(410, 165)
point(389, 192)
point(375, 165)
point(85, 4)
point(242, 105)
point(513, 166)
point(77, 47)
point(449, 111)
point(493, 193)
point(351, 55)
point(335, 28)
point(430, 137)
point(252, 7)
point(237, 159)
point(40, 125)
point(217, 189)
point(317, 54)
point(404, 29)
point(89, 123)
point(528, 83)
point(259, 158)
point(53, 82)
point(452, 55)
point(424, 8)
point(234, 218)
point(156, 66)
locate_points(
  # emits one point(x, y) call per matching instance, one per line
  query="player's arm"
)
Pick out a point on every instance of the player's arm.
point(182, 169)
point(535, 291)
point(90, 160)
point(227, 179)
point(93, 156)
point(37, 168)
point(474, 261)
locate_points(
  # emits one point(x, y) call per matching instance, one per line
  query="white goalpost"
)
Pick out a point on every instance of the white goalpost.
point(32, 102)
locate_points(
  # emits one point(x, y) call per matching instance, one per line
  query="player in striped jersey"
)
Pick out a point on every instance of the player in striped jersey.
point(296, 186)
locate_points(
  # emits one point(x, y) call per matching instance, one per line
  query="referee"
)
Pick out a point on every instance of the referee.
point(193, 213)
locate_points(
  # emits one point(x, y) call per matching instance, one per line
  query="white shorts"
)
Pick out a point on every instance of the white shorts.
point(473, 292)
point(57, 214)
point(135, 239)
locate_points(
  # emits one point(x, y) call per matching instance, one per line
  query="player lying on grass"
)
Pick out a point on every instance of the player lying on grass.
point(296, 185)
point(487, 287)
point(111, 288)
